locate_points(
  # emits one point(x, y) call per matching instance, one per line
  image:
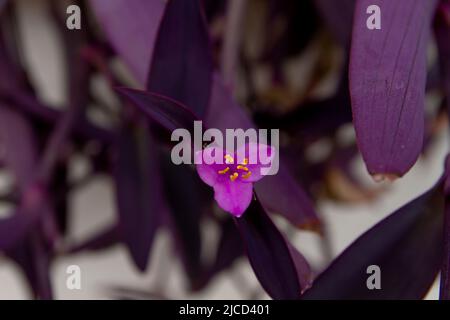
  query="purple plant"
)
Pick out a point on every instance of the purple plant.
point(189, 60)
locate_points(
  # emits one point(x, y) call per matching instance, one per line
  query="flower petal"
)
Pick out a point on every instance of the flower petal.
point(207, 169)
point(207, 173)
point(233, 197)
point(252, 152)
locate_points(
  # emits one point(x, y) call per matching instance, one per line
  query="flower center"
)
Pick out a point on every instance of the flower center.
point(240, 169)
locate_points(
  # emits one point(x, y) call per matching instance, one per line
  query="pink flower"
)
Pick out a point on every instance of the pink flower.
point(232, 175)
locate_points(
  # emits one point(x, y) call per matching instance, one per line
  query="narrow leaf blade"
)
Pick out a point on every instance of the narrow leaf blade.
point(182, 63)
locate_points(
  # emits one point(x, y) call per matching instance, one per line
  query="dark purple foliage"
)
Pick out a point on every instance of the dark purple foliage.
point(281, 270)
point(230, 65)
point(406, 246)
point(139, 194)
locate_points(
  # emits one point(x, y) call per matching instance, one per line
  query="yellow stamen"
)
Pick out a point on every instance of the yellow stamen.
point(247, 175)
point(228, 159)
point(224, 170)
point(242, 168)
point(245, 162)
point(234, 176)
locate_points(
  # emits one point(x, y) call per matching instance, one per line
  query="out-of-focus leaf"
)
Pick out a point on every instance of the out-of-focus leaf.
point(188, 199)
point(281, 194)
point(182, 63)
point(406, 246)
point(3, 4)
point(18, 145)
point(442, 32)
point(138, 191)
point(230, 246)
point(14, 228)
point(21, 239)
point(387, 83)
point(132, 27)
point(270, 255)
point(338, 16)
point(100, 241)
point(304, 273)
point(33, 256)
point(228, 250)
point(168, 113)
point(444, 293)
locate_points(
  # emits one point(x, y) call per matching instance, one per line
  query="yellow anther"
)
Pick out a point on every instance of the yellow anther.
point(247, 175)
point(234, 176)
point(224, 170)
point(242, 168)
point(245, 162)
point(228, 159)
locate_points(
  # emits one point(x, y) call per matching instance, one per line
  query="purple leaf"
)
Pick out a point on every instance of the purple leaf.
point(182, 62)
point(100, 241)
point(168, 113)
point(338, 15)
point(17, 142)
point(33, 256)
point(281, 194)
point(230, 247)
point(138, 191)
point(442, 32)
point(188, 199)
point(132, 27)
point(387, 83)
point(15, 227)
point(270, 255)
point(304, 272)
point(406, 246)
point(444, 293)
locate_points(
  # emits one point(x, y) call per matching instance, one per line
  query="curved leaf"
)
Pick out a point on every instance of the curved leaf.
point(406, 246)
point(270, 255)
point(338, 16)
point(442, 32)
point(168, 113)
point(387, 83)
point(182, 62)
point(14, 228)
point(17, 141)
point(132, 27)
point(138, 192)
point(189, 198)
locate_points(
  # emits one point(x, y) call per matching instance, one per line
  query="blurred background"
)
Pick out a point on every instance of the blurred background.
point(110, 273)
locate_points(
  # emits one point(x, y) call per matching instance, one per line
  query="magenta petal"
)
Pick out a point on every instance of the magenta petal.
point(206, 168)
point(233, 196)
point(251, 152)
point(207, 174)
